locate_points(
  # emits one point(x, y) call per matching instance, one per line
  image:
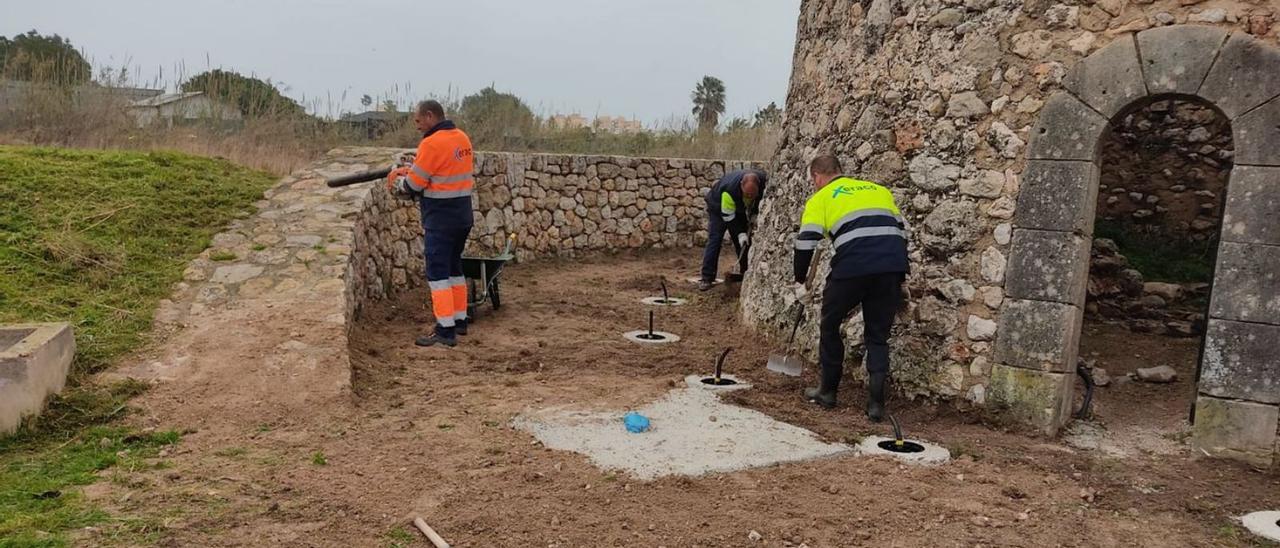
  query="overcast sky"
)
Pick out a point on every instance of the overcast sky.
point(637, 58)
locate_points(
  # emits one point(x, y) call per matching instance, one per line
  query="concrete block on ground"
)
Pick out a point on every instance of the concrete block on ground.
point(1246, 285)
point(1058, 196)
point(1039, 335)
point(1067, 129)
point(34, 362)
point(1255, 135)
point(1246, 74)
point(1241, 361)
point(1175, 59)
point(1239, 430)
point(1048, 265)
point(1253, 198)
point(1110, 79)
point(1039, 398)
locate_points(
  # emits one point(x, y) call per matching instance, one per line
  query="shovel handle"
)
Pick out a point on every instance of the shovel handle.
point(720, 363)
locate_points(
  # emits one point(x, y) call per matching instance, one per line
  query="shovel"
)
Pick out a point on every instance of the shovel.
point(788, 364)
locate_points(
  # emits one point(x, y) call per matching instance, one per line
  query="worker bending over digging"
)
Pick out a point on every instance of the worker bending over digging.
point(868, 266)
point(441, 179)
point(730, 204)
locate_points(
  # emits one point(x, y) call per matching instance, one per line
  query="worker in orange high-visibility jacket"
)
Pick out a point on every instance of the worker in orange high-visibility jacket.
point(441, 179)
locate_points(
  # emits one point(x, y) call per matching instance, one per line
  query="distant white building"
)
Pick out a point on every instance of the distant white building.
point(567, 121)
point(180, 107)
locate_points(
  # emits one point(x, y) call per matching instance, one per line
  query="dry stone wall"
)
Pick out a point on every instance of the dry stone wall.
point(555, 205)
point(960, 107)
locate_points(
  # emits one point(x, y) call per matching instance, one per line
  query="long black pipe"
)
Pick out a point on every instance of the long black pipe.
point(357, 178)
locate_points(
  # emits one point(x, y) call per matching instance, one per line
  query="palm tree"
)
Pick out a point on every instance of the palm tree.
point(708, 102)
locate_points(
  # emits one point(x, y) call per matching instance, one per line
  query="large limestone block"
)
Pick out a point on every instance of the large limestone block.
point(1067, 129)
point(1241, 361)
point(1110, 79)
point(1247, 284)
point(1048, 266)
point(1039, 398)
point(1246, 74)
point(34, 362)
point(1236, 429)
point(1058, 196)
point(1253, 198)
point(1175, 59)
point(1256, 136)
point(1039, 335)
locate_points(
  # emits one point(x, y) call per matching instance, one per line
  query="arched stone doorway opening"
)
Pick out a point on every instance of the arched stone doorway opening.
point(1238, 398)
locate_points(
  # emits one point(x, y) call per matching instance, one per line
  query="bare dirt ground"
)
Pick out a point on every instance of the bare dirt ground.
point(427, 432)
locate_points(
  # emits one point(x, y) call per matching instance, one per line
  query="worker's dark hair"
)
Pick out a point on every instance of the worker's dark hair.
point(825, 165)
point(431, 106)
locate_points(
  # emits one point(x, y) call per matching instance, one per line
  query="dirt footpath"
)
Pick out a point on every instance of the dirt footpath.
point(428, 432)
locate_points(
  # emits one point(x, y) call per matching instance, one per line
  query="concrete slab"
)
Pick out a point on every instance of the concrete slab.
point(1066, 129)
point(1110, 79)
point(1253, 197)
point(34, 362)
point(1255, 134)
point(1246, 74)
point(1039, 335)
point(1241, 361)
point(1175, 59)
point(693, 434)
point(1263, 524)
point(1058, 196)
point(1038, 398)
point(1048, 265)
point(1237, 430)
point(1246, 284)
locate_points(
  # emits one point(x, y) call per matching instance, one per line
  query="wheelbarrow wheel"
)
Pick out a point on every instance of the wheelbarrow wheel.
point(494, 297)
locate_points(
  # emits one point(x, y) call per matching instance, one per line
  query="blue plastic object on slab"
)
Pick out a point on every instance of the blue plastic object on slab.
point(636, 423)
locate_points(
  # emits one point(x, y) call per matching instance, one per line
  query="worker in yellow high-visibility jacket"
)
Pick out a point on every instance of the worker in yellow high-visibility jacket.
point(868, 265)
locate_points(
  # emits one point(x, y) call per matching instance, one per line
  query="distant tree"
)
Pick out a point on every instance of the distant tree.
point(708, 102)
point(389, 105)
point(365, 101)
point(252, 96)
point(494, 118)
point(34, 57)
point(770, 116)
point(738, 124)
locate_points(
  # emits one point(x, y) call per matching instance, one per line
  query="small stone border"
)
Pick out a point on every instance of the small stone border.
point(931, 456)
point(659, 301)
point(634, 336)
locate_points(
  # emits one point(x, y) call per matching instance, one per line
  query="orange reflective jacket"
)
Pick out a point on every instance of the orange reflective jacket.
point(443, 165)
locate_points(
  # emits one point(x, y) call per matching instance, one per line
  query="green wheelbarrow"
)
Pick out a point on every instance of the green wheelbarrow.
point(483, 274)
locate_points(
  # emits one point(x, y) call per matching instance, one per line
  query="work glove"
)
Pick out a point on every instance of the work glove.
point(743, 239)
point(398, 184)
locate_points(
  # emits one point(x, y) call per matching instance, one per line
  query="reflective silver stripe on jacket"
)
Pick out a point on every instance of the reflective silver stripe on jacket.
point(450, 178)
point(862, 214)
point(442, 194)
point(868, 232)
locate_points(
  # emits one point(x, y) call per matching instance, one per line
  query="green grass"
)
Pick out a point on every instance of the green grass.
point(319, 459)
point(97, 238)
point(1161, 256)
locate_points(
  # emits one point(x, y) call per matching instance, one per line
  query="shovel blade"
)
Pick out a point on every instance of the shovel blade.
point(787, 365)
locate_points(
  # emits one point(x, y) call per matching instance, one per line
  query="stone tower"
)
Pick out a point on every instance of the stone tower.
point(984, 118)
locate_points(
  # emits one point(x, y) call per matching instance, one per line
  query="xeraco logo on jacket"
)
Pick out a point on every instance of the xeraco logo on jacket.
point(850, 189)
point(460, 153)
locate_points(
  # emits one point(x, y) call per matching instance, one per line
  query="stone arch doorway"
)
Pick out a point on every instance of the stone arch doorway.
point(1238, 399)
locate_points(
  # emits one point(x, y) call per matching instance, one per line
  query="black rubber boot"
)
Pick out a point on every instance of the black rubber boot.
point(875, 396)
point(434, 339)
point(824, 399)
point(704, 285)
point(461, 327)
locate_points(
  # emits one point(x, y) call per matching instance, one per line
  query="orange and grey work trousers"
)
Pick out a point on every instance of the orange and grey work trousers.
point(443, 250)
